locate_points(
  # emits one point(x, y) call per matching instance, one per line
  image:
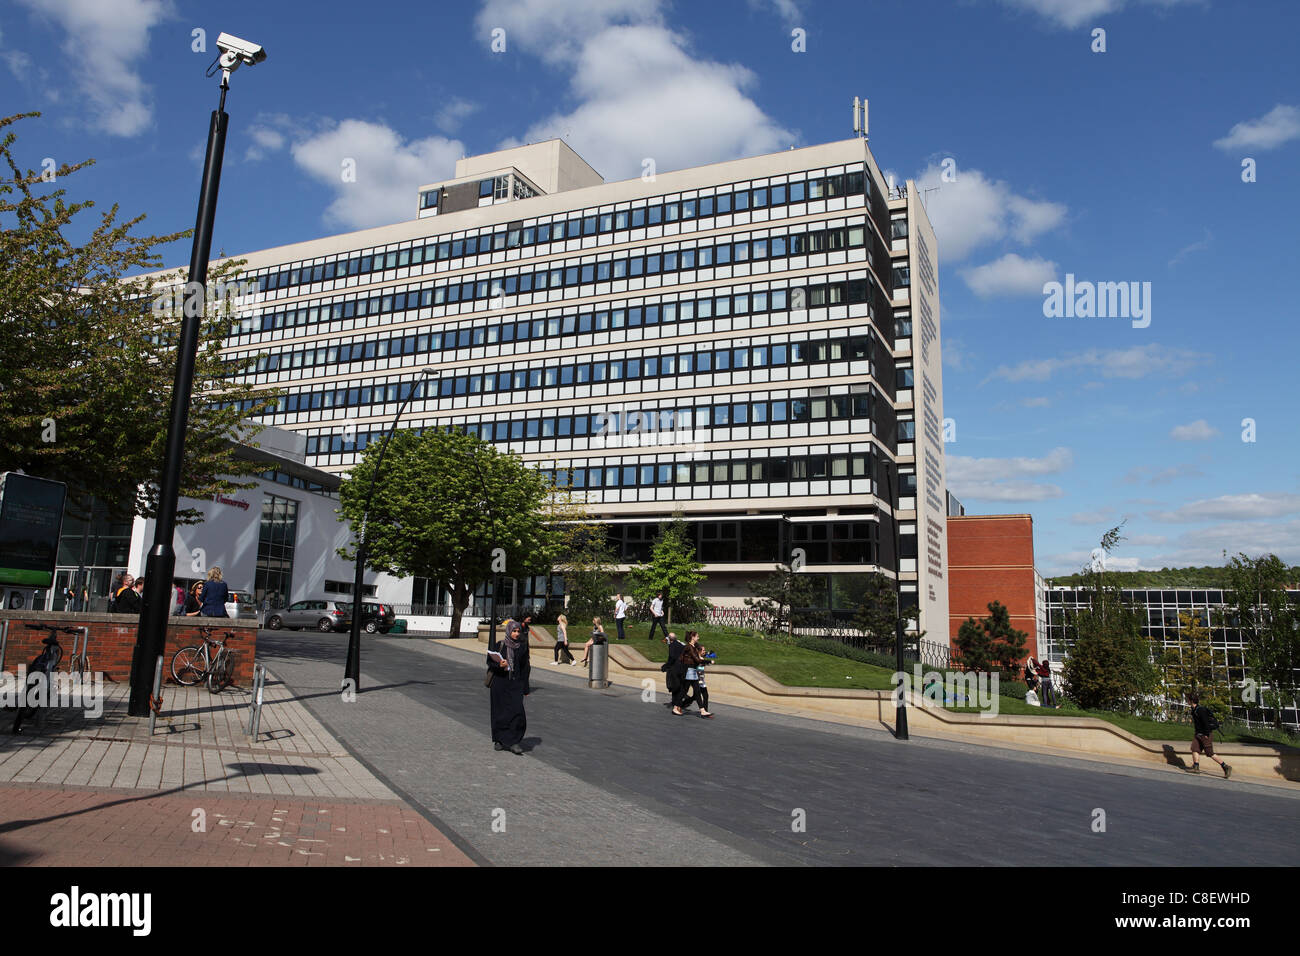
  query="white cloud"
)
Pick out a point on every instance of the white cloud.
point(454, 112)
point(557, 30)
point(388, 170)
point(104, 41)
point(973, 210)
point(1075, 13)
point(1036, 402)
point(1279, 125)
point(1204, 546)
point(1011, 275)
point(1199, 430)
point(1006, 479)
point(955, 355)
point(1101, 516)
point(1138, 361)
point(1248, 507)
point(787, 10)
point(641, 94)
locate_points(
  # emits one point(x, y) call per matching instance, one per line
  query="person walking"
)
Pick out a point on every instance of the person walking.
point(672, 674)
point(509, 722)
point(194, 601)
point(562, 641)
point(1204, 724)
point(597, 637)
point(215, 595)
point(620, 615)
point(693, 660)
point(657, 615)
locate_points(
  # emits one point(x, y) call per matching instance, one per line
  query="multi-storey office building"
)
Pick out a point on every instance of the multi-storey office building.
point(733, 341)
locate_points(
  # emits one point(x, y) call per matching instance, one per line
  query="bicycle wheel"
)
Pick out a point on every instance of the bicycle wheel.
point(222, 672)
point(188, 666)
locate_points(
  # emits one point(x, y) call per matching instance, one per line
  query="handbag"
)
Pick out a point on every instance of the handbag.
point(491, 673)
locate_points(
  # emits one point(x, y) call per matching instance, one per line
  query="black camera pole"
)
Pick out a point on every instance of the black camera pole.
point(161, 563)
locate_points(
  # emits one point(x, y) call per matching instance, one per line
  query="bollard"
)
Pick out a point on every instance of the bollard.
point(157, 694)
point(598, 667)
point(255, 712)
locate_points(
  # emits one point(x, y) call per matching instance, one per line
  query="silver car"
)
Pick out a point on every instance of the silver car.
point(321, 615)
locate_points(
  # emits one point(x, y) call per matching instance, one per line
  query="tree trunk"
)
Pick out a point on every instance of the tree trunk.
point(459, 601)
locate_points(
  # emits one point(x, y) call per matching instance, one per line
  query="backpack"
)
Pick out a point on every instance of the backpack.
point(1211, 721)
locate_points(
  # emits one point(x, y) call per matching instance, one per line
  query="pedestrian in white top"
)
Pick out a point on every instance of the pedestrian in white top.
point(657, 615)
point(620, 612)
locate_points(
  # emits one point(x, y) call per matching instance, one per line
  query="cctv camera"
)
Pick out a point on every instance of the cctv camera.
point(236, 51)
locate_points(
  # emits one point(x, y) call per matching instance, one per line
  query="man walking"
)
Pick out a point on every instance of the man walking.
point(657, 615)
point(620, 614)
point(1204, 724)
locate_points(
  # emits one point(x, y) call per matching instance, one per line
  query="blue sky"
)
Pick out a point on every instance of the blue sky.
point(1115, 166)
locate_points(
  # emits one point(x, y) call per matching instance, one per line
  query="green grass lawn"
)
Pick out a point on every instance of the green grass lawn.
point(801, 667)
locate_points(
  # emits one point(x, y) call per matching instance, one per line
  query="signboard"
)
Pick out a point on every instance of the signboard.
point(31, 517)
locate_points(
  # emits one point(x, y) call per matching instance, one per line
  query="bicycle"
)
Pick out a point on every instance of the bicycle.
point(194, 663)
point(44, 666)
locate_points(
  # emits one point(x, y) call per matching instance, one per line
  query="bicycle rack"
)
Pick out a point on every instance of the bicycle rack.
point(85, 641)
point(255, 710)
point(157, 690)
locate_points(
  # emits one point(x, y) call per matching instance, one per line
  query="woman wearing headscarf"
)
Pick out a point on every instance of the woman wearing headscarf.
point(509, 722)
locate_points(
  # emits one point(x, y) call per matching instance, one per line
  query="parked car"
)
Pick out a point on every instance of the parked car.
point(321, 614)
point(241, 605)
point(375, 617)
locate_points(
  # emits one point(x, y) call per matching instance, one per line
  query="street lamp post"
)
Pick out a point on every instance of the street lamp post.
point(161, 564)
point(900, 712)
point(352, 669)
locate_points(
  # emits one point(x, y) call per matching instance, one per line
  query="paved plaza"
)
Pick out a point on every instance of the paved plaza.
point(404, 774)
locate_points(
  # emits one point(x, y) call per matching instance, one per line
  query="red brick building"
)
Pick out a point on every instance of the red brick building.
point(991, 558)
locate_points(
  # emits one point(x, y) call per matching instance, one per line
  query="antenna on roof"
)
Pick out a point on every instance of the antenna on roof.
point(860, 116)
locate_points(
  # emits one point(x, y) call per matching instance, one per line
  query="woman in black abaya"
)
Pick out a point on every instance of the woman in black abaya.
point(507, 689)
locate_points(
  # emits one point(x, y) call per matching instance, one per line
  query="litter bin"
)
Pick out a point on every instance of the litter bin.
point(399, 626)
point(598, 667)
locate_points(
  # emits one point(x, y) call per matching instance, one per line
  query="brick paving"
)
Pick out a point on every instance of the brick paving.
point(82, 826)
point(82, 790)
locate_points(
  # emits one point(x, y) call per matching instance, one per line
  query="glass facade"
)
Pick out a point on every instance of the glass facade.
point(276, 541)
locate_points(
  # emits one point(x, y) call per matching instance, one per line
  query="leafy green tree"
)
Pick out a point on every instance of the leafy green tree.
point(991, 642)
point(90, 358)
point(974, 647)
point(778, 594)
point(674, 569)
point(451, 508)
point(1187, 667)
point(1270, 627)
point(1109, 663)
point(587, 566)
point(877, 615)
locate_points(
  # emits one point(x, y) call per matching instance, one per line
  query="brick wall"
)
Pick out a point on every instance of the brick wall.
point(112, 641)
point(991, 558)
